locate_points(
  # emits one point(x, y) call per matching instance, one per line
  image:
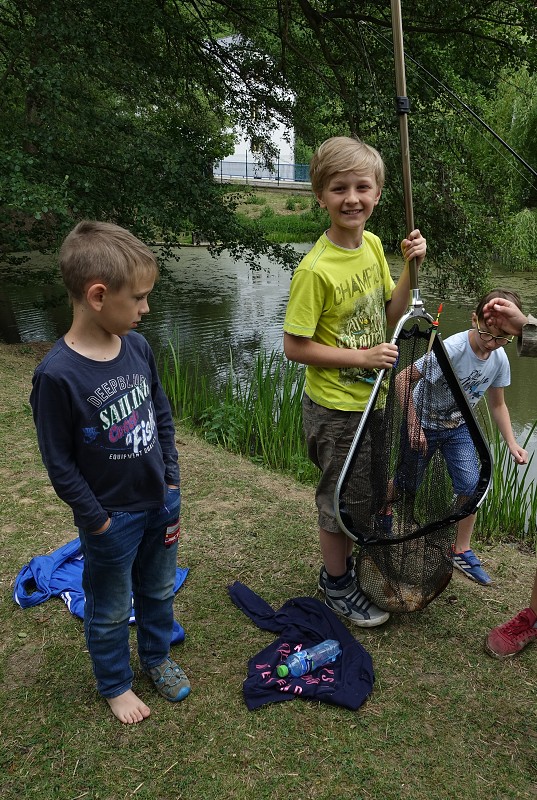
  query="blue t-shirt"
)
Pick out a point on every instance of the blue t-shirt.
point(105, 430)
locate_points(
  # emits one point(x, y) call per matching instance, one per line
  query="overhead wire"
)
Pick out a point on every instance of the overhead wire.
point(473, 116)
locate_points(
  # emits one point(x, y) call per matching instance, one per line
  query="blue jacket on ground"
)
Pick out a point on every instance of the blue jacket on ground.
point(60, 575)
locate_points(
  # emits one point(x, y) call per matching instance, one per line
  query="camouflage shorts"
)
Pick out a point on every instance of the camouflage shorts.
point(329, 435)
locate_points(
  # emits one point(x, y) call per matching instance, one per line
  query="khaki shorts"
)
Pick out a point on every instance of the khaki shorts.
point(329, 435)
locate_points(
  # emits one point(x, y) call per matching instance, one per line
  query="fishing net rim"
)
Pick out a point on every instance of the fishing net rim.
point(416, 313)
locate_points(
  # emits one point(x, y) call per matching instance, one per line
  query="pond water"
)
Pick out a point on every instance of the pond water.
point(219, 310)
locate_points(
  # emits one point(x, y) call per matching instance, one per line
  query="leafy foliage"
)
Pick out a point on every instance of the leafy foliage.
point(119, 112)
point(517, 248)
point(114, 112)
point(259, 417)
point(346, 52)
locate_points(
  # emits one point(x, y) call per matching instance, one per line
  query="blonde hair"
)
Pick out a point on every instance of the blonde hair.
point(344, 154)
point(103, 252)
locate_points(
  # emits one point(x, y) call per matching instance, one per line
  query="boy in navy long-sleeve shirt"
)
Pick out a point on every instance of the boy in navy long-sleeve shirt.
point(106, 436)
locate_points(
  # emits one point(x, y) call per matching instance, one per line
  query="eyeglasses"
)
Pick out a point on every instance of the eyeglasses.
point(488, 337)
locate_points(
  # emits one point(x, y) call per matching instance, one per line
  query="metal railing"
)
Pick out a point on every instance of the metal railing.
point(250, 170)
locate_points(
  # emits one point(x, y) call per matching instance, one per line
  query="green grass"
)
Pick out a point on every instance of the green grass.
point(444, 721)
point(297, 202)
point(255, 199)
point(304, 227)
point(282, 217)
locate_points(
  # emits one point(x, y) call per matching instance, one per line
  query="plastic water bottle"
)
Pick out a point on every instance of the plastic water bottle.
point(305, 661)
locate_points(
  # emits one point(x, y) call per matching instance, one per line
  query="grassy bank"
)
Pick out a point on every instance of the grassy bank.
point(444, 721)
point(283, 217)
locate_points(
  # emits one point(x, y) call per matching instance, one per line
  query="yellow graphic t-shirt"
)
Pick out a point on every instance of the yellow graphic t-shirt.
point(338, 298)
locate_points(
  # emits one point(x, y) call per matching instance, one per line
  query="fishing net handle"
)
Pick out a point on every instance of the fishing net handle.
point(416, 311)
point(403, 108)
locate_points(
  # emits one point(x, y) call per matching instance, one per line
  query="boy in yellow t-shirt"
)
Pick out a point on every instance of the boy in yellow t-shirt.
point(341, 299)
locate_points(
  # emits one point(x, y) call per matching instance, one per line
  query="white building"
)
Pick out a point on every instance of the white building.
point(245, 162)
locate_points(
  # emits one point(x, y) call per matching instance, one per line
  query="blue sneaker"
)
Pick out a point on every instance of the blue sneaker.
point(469, 563)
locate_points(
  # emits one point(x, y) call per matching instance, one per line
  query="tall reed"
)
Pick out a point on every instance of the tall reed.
point(510, 507)
point(260, 417)
point(189, 392)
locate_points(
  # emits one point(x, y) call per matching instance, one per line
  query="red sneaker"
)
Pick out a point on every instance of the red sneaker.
point(511, 637)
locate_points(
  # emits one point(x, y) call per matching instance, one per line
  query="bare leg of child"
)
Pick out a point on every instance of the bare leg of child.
point(335, 549)
point(128, 708)
point(464, 533)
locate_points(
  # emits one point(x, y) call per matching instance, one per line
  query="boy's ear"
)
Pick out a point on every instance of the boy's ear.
point(319, 196)
point(95, 295)
point(379, 195)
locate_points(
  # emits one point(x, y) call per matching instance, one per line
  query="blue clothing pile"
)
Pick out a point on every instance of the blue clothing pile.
point(303, 622)
point(60, 575)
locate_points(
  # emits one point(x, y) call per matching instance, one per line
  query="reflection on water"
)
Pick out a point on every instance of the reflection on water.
point(214, 309)
point(218, 309)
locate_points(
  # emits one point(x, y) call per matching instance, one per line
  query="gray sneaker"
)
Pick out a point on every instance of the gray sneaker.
point(169, 680)
point(323, 574)
point(349, 601)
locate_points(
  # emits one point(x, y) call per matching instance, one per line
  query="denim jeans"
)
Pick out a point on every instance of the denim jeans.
point(458, 449)
point(129, 562)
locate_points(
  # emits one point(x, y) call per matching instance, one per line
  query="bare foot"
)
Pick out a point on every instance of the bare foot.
point(128, 708)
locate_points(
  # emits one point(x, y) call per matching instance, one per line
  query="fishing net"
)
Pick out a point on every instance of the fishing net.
point(405, 509)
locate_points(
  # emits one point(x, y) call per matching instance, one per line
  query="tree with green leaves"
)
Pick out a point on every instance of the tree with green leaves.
point(338, 59)
point(120, 111)
point(115, 112)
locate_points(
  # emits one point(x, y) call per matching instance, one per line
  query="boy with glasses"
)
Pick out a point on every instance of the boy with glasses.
point(481, 365)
